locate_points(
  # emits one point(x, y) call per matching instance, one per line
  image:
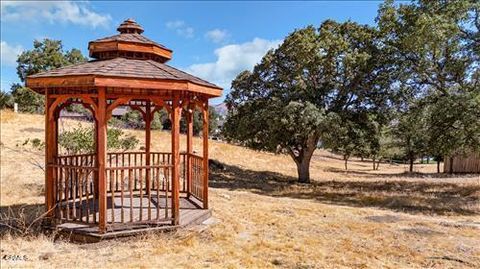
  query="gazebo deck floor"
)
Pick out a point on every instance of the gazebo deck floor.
point(190, 214)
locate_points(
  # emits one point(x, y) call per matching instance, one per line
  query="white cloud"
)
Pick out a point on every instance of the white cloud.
point(181, 28)
point(231, 60)
point(217, 35)
point(9, 54)
point(52, 11)
point(175, 24)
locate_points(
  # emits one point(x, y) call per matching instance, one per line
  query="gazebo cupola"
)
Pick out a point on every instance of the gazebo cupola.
point(105, 192)
point(130, 43)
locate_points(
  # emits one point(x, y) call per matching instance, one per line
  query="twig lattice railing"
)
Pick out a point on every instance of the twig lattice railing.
point(76, 196)
point(138, 187)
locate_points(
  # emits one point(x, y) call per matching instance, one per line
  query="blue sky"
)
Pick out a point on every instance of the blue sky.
point(213, 40)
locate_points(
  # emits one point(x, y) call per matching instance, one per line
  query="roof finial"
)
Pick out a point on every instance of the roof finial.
point(130, 26)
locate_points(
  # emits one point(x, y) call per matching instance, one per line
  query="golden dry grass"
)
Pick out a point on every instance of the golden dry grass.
point(361, 219)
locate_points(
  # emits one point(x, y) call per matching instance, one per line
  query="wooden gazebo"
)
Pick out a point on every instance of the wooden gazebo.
point(119, 192)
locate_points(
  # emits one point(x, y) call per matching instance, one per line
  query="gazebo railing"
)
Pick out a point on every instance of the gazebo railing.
point(138, 190)
point(129, 159)
point(196, 188)
point(138, 193)
point(75, 194)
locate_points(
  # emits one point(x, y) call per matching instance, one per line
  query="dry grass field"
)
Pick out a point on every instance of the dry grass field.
point(262, 218)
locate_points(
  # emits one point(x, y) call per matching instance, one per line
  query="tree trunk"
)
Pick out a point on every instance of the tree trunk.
point(373, 161)
point(345, 157)
point(378, 164)
point(303, 170)
point(411, 165)
point(302, 159)
point(361, 158)
point(451, 165)
point(438, 167)
point(428, 159)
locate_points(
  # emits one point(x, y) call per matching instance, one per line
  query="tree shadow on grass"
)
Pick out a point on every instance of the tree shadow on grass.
point(21, 219)
point(366, 174)
point(399, 195)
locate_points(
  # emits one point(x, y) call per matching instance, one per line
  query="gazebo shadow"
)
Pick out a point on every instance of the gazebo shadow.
point(398, 195)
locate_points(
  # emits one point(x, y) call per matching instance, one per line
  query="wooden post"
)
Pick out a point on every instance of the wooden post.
point(54, 170)
point(175, 160)
point(205, 154)
point(97, 172)
point(49, 155)
point(189, 148)
point(148, 123)
point(101, 157)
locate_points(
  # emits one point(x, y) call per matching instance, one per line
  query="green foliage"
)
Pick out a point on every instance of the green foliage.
point(133, 119)
point(213, 119)
point(116, 123)
point(78, 140)
point(159, 119)
point(333, 72)
point(389, 148)
point(411, 132)
point(45, 55)
point(116, 139)
point(454, 124)
point(432, 45)
point(27, 100)
point(34, 143)
point(6, 100)
point(355, 134)
point(426, 41)
point(81, 140)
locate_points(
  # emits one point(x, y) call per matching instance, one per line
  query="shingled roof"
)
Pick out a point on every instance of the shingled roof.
point(129, 37)
point(123, 67)
point(128, 57)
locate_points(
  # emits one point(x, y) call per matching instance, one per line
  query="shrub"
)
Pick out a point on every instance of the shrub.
point(133, 119)
point(81, 140)
point(35, 143)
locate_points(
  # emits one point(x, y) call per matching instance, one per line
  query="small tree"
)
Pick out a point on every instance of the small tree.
point(81, 140)
point(356, 134)
point(411, 134)
point(387, 147)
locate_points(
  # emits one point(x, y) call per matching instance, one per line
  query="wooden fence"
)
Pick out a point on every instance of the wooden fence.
point(463, 164)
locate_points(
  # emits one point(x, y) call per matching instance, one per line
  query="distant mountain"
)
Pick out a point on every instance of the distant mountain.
point(221, 109)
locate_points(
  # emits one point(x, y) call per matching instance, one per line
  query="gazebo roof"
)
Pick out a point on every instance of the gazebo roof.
point(126, 60)
point(130, 40)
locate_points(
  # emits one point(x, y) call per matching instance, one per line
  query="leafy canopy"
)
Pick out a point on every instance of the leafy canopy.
point(45, 55)
point(316, 75)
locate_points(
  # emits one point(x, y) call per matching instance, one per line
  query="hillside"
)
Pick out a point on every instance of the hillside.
point(262, 218)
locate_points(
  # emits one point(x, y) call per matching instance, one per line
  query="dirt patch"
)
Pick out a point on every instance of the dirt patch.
point(423, 231)
point(32, 130)
point(461, 224)
point(384, 218)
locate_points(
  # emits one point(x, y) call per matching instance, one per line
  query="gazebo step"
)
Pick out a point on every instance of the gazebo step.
point(83, 233)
